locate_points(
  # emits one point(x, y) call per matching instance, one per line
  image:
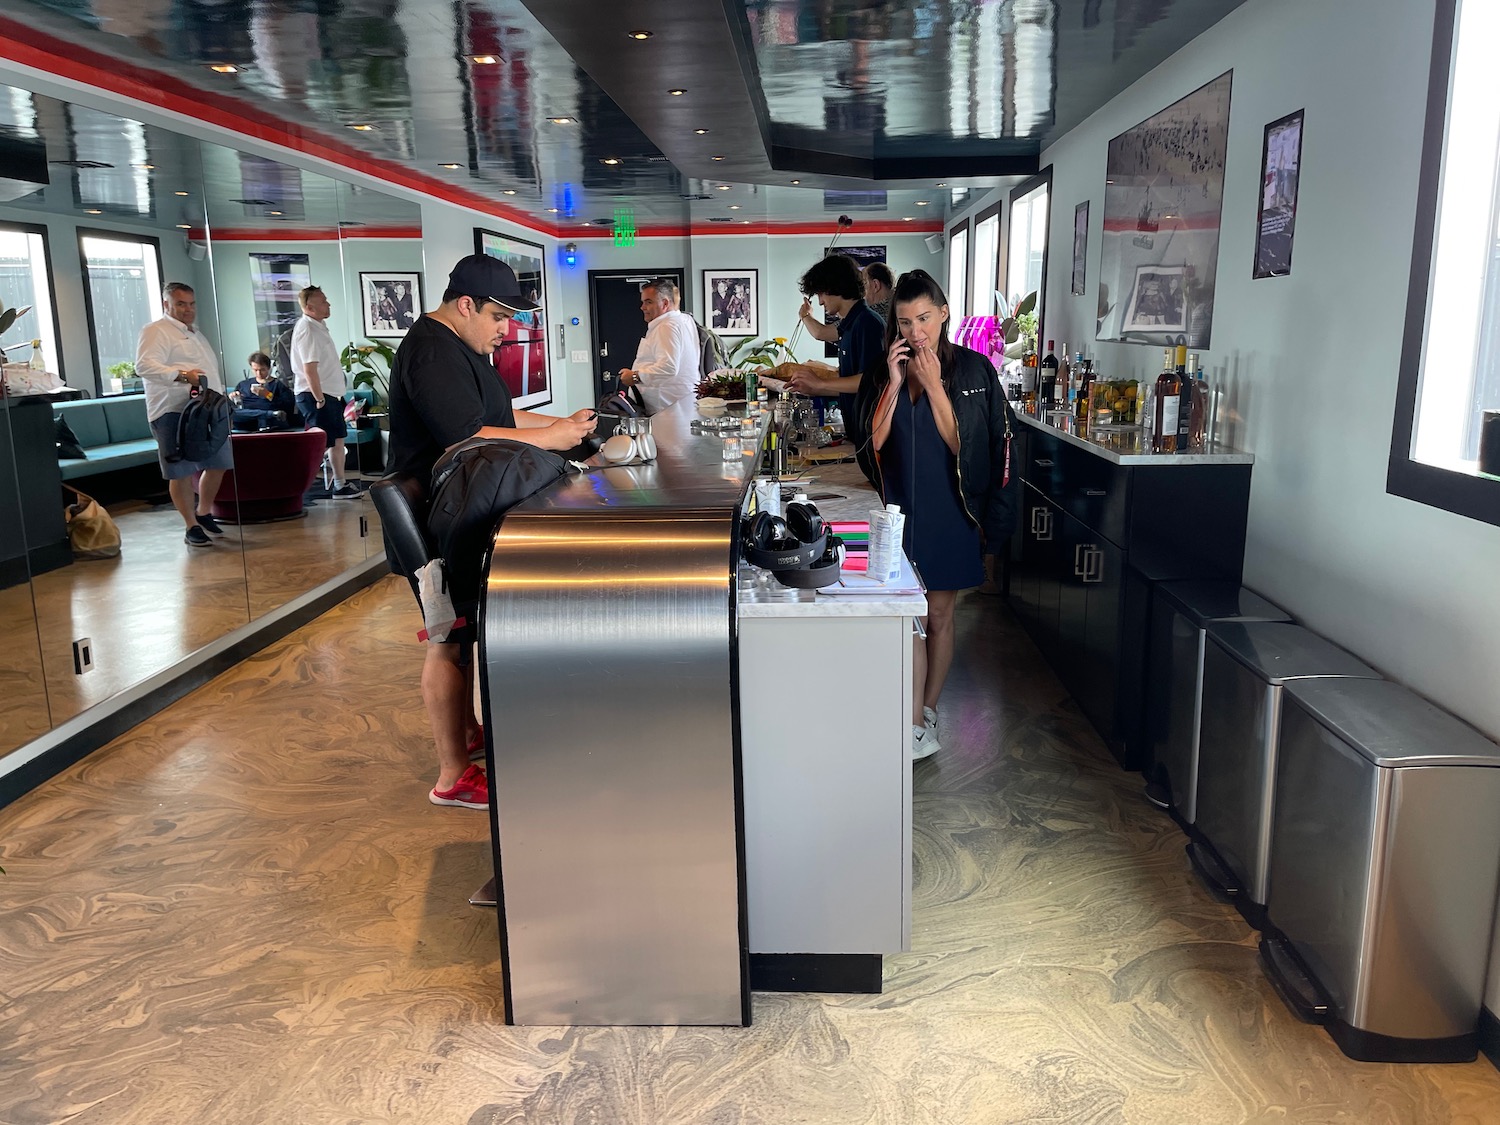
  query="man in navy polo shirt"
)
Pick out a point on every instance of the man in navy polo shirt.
point(839, 287)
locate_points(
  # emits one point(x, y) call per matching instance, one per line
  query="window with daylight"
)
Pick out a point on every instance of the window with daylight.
point(122, 275)
point(986, 261)
point(26, 280)
point(1445, 443)
point(958, 271)
point(1026, 269)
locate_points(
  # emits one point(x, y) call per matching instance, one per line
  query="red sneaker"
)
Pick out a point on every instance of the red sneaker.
point(471, 792)
point(476, 746)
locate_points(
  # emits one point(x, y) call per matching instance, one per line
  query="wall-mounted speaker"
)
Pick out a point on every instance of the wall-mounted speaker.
point(934, 243)
point(196, 251)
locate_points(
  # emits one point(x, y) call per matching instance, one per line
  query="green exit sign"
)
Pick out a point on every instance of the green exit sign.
point(624, 226)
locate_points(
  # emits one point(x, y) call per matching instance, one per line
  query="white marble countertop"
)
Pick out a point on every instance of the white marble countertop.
point(904, 598)
point(1127, 446)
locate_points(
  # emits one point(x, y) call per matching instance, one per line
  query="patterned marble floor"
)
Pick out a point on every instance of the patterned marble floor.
point(245, 911)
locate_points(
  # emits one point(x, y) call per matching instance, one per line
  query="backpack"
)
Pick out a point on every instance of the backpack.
point(203, 427)
point(473, 485)
point(712, 354)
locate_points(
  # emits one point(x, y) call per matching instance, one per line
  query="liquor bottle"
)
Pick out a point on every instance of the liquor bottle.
point(38, 361)
point(1168, 400)
point(1065, 380)
point(1049, 377)
point(1184, 399)
point(1198, 416)
point(1085, 388)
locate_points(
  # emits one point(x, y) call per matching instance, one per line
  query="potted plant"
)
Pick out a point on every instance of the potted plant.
point(8, 317)
point(121, 374)
point(369, 365)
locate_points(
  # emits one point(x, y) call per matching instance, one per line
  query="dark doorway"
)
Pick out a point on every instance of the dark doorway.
point(615, 311)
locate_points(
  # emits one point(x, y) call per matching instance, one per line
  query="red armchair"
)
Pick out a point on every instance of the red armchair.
point(272, 470)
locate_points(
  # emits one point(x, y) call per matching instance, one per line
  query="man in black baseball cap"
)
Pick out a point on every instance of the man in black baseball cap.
point(444, 389)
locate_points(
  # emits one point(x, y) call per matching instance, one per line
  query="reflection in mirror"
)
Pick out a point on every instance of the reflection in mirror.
point(23, 692)
point(121, 212)
point(275, 233)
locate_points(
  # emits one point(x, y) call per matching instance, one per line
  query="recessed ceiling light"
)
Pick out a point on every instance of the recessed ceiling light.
point(745, 221)
point(146, 167)
point(273, 212)
point(639, 34)
point(718, 158)
point(485, 60)
point(734, 206)
point(92, 211)
point(908, 218)
point(796, 181)
point(943, 184)
point(610, 160)
point(509, 191)
point(223, 68)
point(184, 226)
point(587, 223)
point(450, 166)
point(563, 120)
point(362, 127)
point(700, 132)
point(723, 187)
point(552, 210)
point(179, 193)
point(921, 203)
point(677, 93)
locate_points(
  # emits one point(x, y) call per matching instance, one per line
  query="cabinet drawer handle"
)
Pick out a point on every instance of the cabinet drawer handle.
point(1078, 560)
point(1093, 565)
point(1044, 533)
point(1043, 463)
point(1036, 520)
point(1095, 492)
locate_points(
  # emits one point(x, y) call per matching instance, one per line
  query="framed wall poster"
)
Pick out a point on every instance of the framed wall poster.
point(389, 303)
point(731, 298)
point(1080, 246)
point(1163, 201)
point(521, 359)
point(1280, 166)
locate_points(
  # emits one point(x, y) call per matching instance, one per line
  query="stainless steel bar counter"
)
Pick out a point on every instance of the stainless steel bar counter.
point(609, 686)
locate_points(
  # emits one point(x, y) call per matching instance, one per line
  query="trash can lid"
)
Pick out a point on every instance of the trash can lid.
point(1279, 651)
point(1201, 602)
point(1392, 725)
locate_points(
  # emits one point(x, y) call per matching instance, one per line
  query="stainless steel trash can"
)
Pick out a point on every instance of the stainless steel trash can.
point(1244, 669)
point(1180, 613)
point(1385, 860)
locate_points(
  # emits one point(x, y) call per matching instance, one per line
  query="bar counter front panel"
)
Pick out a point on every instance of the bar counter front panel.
point(608, 681)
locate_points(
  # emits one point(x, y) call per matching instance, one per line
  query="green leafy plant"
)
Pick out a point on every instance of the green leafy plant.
point(8, 317)
point(1022, 323)
point(761, 353)
point(122, 370)
point(369, 365)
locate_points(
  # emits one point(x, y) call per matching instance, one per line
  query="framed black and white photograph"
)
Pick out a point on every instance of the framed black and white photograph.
point(1280, 166)
point(1158, 300)
point(731, 301)
point(1080, 246)
point(389, 303)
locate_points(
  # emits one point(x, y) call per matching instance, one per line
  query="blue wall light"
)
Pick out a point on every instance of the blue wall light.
point(570, 254)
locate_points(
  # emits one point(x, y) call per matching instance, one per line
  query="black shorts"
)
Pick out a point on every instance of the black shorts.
point(329, 417)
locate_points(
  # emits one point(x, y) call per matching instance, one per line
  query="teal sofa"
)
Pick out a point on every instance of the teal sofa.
point(112, 431)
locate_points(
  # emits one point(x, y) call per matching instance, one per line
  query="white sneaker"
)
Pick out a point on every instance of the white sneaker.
point(929, 718)
point(924, 743)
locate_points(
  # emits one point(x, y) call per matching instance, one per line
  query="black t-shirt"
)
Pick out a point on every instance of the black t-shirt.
point(441, 393)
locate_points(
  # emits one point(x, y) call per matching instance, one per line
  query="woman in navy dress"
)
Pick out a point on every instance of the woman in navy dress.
point(941, 432)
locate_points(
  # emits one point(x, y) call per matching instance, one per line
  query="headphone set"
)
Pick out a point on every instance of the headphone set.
point(796, 548)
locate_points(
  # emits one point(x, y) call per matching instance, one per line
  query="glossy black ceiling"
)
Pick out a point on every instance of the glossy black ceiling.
point(833, 93)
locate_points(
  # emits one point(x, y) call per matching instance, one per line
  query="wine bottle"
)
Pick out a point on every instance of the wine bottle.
point(1168, 402)
point(1049, 376)
point(1065, 380)
point(1198, 416)
point(1085, 388)
point(1184, 400)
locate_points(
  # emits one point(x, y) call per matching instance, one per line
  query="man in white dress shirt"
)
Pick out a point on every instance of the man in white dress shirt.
point(318, 380)
point(667, 362)
point(172, 358)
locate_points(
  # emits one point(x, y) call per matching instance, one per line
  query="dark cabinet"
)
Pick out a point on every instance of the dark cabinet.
point(1096, 534)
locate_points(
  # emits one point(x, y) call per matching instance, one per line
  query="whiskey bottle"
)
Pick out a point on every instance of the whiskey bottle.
point(1184, 399)
point(1168, 404)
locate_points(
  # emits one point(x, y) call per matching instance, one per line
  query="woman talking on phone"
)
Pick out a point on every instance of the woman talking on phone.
point(941, 432)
